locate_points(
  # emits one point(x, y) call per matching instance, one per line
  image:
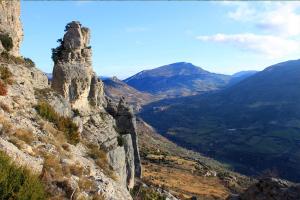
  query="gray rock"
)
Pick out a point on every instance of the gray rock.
point(126, 124)
point(130, 165)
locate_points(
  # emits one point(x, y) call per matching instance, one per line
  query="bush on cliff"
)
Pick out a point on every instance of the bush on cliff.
point(64, 124)
point(6, 41)
point(18, 183)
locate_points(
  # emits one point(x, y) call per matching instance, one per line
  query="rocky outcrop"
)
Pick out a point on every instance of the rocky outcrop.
point(73, 75)
point(99, 165)
point(270, 188)
point(11, 32)
point(75, 80)
point(126, 126)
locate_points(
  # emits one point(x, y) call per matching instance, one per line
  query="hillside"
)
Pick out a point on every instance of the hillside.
point(253, 125)
point(239, 76)
point(115, 89)
point(177, 79)
point(182, 172)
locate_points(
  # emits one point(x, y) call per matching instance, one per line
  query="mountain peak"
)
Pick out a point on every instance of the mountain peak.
point(177, 79)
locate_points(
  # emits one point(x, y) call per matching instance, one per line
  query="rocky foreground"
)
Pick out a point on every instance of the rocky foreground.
point(67, 132)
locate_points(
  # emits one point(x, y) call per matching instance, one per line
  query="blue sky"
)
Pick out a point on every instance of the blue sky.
point(130, 36)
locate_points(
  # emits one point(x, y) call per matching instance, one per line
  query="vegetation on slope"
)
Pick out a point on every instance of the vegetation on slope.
point(18, 183)
point(63, 124)
point(184, 173)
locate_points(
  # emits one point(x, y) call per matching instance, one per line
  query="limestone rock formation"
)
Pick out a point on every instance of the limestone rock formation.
point(73, 75)
point(75, 80)
point(11, 32)
point(126, 123)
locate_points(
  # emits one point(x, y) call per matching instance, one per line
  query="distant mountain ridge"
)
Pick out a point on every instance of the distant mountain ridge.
point(239, 76)
point(254, 125)
point(177, 79)
point(115, 89)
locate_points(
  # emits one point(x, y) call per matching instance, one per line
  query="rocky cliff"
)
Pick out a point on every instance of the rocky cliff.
point(11, 32)
point(64, 132)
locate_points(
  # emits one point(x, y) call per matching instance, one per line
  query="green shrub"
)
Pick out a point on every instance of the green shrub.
point(120, 141)
point(6, 41)
point(29, 63)
point(57, 52)
point(18, 183)
point(76, 112)
point(64, 124)
point(6, 75)
point(7, 58)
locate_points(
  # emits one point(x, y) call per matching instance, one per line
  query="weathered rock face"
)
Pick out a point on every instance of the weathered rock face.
point(11, 32)
point(271, 188)
point(73, 75)
point(126, 126)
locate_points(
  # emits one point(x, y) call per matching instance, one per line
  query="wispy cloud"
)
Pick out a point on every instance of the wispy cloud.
point(281, 18)
point(269, 45)
point(277, 27)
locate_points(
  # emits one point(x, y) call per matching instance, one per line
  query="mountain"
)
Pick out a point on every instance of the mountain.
point(177, 79)
point(239, 76)
point(253, 125)
point(115, 89)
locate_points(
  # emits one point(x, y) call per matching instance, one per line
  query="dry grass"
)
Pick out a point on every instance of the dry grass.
point(25, 135)
point(66, 147)
point(18, 143)
point(5, 107)
point(86, 184)
point(53, 166)
point(181, 178)
point(3, 89)
point(63, 124)
point(100, 158)
point(6, 126)
point(76, 169)
point(98, 197)
point(55, 137)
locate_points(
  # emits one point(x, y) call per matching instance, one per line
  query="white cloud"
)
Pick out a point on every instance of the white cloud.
point(272, 46)
point(283, 20)
point(279, 18)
